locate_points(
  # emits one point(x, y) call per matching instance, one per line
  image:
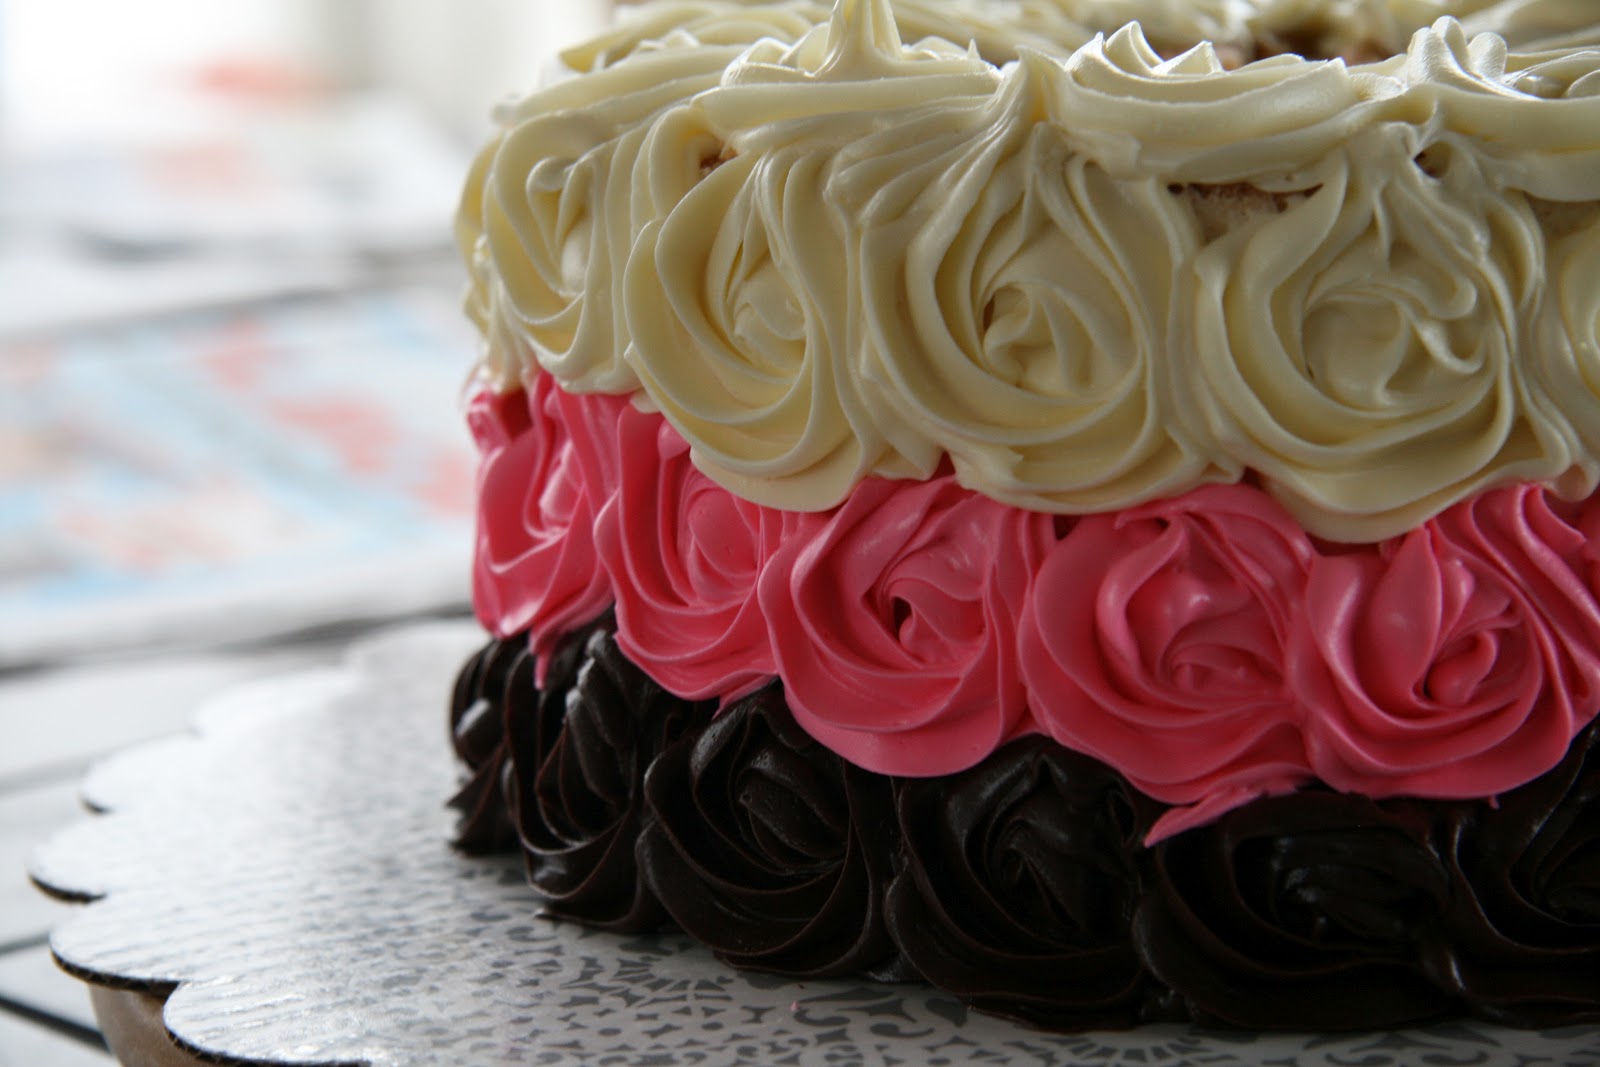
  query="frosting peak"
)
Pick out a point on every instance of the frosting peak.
point(1193, 119)
point(863, 40)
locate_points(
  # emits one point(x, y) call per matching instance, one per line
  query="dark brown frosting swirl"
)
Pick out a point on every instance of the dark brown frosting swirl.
point(579, 761)
point(478, 707)
point(1313, 910)
point(770, 848)
point(1526, 930)
point(1019, 883)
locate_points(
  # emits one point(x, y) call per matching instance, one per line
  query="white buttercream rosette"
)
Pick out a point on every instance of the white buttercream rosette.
point(562, 204)
point(1534, 119)
point(1534, 124)
point(1190, 119)
point(740, 326)
point(742, 302)
point(1566, 337)
point(996, 32)
point(1017, 302)
point(1359, 349)
point(649, 27)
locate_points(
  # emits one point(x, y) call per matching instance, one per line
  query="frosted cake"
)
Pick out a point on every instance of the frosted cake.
point(1086, 503)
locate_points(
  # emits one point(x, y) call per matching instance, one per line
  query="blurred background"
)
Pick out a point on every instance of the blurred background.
point(229, 334)
point(231, 360)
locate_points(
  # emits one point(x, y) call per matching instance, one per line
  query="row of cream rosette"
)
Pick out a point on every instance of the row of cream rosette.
point(999, 28)
point(838, 256)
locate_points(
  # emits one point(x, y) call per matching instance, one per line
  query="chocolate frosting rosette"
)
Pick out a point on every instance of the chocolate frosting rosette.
point(771, 849)
point(478, 708)
point(580, 759)
point(1319, 910)
point(1019, 883)
point(1527, 927)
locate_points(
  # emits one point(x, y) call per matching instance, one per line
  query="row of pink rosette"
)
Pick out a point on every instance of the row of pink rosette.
point(1205, 646)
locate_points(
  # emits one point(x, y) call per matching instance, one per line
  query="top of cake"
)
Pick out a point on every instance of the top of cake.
point(1089, 252)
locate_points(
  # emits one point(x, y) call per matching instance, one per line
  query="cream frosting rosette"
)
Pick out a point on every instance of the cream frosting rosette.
point(478, 302)
point(843, 80)
point(558, 209)
point(1565, 342)
point(741, 301)
point(1017, 300)
point(697, 22)
point(505, 355)
point(1190, 119)
point(1173, 24)
point(1535, 119)
point(997, 32)
point(1535, 25)
point(1358, 349)
point(741, 321)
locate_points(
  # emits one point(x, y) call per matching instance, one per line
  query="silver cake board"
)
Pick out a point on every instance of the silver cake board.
point(285, 871)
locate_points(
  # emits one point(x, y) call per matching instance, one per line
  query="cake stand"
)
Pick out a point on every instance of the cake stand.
point(284, 874)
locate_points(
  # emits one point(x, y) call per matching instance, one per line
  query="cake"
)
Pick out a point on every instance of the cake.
point(1090, 504)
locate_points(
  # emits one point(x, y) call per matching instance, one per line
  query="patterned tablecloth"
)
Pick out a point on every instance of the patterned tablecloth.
point(286, 867)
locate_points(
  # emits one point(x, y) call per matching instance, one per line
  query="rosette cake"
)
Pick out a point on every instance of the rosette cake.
point(1088, 503)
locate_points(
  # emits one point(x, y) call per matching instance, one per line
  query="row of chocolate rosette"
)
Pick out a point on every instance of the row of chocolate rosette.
point(1023, 885)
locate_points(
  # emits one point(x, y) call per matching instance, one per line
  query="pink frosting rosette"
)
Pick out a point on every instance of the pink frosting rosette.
point(893, 624)
point(684, 555)
point(1155, 639)
point(1458, 660)
point(544, 473)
